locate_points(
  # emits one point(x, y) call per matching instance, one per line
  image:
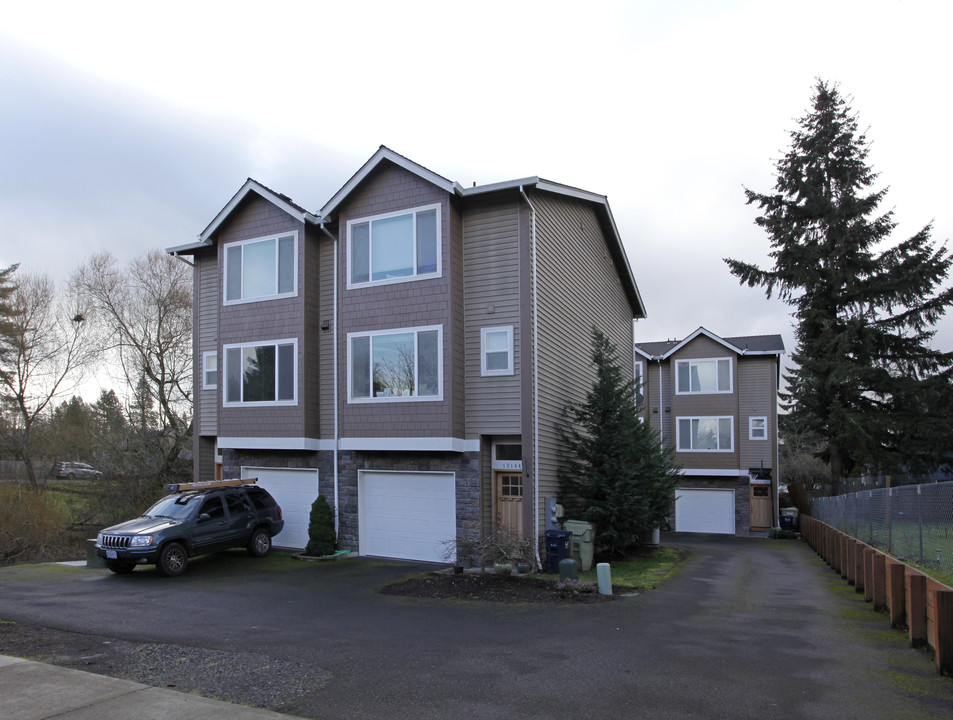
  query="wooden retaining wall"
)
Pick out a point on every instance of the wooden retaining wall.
point(914, 601)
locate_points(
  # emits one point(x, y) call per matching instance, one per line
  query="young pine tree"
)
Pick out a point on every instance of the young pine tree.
point(867, 381)
point(615, 472)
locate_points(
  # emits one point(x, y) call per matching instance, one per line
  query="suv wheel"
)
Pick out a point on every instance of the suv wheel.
point(260, 543)
point(173, 560)
point(121, 567)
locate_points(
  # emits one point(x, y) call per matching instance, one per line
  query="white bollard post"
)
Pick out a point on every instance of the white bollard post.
point(604, 576)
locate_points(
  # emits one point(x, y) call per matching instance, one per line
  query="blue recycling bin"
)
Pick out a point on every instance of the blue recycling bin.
point(787, 522)
point(557, 548)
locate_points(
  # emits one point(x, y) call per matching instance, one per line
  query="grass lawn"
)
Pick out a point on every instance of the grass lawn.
point(644, 570)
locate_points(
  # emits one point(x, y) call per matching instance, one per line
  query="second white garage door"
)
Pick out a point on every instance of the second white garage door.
point(295, 490)
point(406, 515)
point(705, 511)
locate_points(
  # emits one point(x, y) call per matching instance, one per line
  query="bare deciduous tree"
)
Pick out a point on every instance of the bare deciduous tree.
point(48, 348)
point(145, 313)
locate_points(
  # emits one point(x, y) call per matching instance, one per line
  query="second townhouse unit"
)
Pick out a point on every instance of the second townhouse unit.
point(714, 401)
point(407, 351)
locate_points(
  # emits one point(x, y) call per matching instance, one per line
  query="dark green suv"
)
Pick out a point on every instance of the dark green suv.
point(197, 518)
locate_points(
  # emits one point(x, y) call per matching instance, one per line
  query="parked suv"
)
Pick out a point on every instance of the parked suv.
point(74, 470)
point(196, 518)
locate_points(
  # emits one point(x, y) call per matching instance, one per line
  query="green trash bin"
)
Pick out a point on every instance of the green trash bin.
point(583, 542)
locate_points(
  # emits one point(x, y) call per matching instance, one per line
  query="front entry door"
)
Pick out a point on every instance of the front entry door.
point(761, 507)
point(508, 500)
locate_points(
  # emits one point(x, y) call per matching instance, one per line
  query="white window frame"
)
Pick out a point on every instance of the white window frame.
point(260, 403)
point(270, 296)
point(752, 429)
point(509, 370)
point(384, 216)
point(396, 331)
point(678, 434)
point(638, 378)
point(209, 358)
point(696, 361)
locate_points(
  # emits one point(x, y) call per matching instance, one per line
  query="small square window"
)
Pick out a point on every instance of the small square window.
point(758, 428)
point(496, 351)
point(209, 370)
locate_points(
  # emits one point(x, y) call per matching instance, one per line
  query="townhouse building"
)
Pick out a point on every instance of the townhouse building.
point(407, 350)
point(714, 401)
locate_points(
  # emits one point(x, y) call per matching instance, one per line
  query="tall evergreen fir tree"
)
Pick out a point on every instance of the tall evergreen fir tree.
point(867, 380)
point(615, 472)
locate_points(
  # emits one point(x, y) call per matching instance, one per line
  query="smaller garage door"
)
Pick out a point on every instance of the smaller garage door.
point(705, 511)
point(406, 515)
point(295, 491)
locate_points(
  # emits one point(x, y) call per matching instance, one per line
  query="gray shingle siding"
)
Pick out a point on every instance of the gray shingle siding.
point(416, 303)
point(261, 322)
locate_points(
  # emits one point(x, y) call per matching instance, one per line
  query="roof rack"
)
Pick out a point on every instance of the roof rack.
point(183, 487)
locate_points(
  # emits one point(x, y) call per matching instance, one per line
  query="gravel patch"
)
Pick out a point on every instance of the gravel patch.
point(244, 678)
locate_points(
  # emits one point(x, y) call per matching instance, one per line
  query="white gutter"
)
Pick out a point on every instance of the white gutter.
point(532, 225)
point(334, 329)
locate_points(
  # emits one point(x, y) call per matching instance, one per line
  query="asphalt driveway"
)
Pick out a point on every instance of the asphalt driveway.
point(748, 629)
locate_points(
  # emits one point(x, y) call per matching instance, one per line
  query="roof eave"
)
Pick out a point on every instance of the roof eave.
point(269, 195)
point(385, 153)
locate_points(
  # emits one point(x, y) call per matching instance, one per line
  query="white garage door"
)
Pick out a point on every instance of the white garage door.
point(295, 490)
point(406, 515)
point(705, 511)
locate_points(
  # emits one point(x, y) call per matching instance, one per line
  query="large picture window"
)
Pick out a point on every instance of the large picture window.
point(261, 373)
point(395, 247)
point(705, 434)
point(703, 376)
point(396, 365)
point(261, 269)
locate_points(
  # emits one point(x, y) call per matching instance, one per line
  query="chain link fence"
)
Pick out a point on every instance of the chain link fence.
point(913, 523)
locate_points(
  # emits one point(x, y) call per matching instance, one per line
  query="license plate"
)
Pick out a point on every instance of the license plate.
point(111, 554)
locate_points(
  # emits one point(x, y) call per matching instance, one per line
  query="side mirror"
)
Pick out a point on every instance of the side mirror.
point(204, 516)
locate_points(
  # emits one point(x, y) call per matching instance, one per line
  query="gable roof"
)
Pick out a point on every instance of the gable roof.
point(384, 153)
point(742, 345)
point(283, 202)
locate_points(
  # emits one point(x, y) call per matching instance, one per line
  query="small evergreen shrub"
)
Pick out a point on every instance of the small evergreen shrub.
point(321, 537)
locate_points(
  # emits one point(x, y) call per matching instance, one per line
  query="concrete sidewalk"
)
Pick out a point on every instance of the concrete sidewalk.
point(34, 691)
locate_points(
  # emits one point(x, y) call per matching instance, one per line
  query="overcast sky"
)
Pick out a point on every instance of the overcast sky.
point(127, 126)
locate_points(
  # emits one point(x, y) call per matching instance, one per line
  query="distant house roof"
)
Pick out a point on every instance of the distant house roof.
point(742, 345)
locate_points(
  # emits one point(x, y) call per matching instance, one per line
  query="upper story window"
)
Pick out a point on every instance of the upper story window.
point(638, 383)
point(496, 350)
point(395, 247)
point(261, 269)
point(757, 428)
point(703, 376)
point(261, 373)
point(705, 434)
point(396, 365)
point(209, 370)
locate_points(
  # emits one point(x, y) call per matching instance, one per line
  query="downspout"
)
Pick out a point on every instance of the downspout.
point(334, 329)
point(661, 407)
point(532, 233)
